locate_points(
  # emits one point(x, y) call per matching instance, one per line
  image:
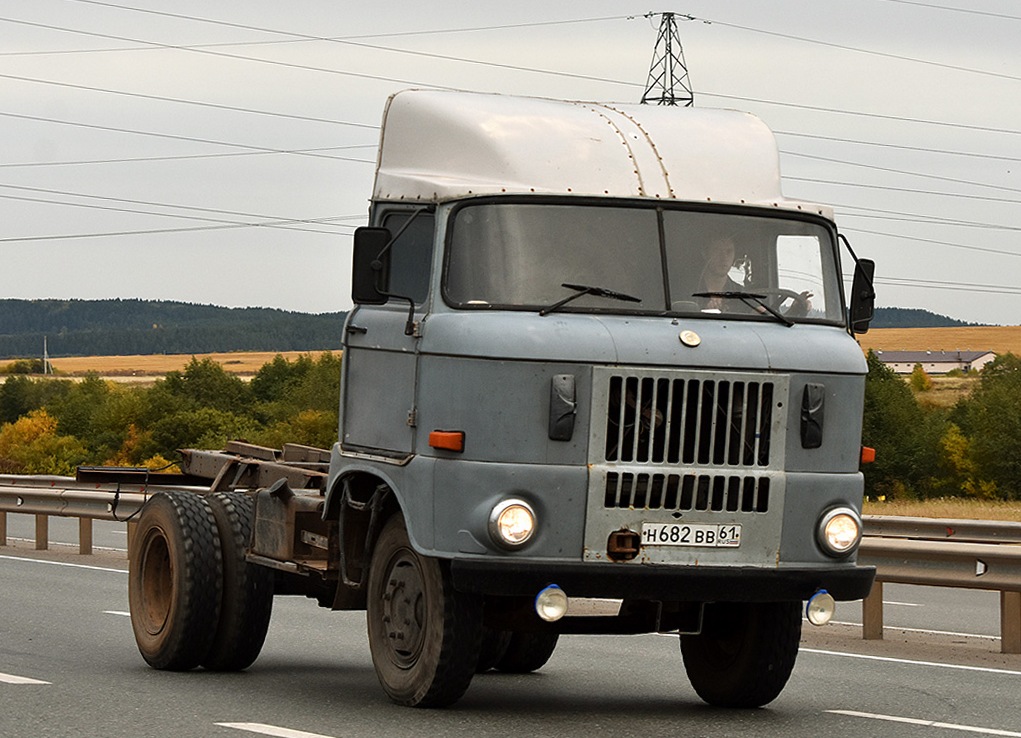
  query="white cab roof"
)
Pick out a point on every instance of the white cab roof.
point(439, 145)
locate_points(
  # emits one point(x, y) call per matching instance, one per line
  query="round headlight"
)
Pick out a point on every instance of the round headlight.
point(512, 523)
point(839, 531)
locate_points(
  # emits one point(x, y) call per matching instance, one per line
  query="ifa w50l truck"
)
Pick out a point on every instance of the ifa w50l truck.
point(594, 353)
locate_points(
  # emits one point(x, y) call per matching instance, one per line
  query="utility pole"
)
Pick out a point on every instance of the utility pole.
point(668, 76)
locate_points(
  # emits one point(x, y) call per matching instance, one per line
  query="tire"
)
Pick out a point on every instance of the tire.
point(745, 654)
point(494, 646)
point(247, 599)
point(174, 581)
point(424, 636)
point(527, 652)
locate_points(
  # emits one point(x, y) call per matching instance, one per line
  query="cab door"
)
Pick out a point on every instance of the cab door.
point(380, 356)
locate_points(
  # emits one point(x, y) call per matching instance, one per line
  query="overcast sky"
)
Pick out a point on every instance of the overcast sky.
point(143, 143)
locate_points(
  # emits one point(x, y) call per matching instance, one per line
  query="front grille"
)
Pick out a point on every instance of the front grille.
point(694, 421)
point(700, 492)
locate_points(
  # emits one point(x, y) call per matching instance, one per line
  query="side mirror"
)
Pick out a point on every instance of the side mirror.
point(370, 266)
point(863, 296)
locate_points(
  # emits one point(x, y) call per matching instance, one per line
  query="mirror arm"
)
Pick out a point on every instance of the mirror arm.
point(857, 264)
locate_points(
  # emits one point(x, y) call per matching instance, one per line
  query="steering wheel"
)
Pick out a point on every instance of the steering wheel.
point(777, 298)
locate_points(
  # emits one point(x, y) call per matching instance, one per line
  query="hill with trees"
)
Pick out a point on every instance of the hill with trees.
point(114, 327)
point(895, 317)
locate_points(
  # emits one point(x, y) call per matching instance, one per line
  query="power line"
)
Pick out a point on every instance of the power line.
point(136, 159)
point(299, 152)
point(901, 171)
point(859, 50)
point(149, 203)
point(859, 185)
point(957, 10)
point(220, 54)
point(880, 116)
point(932, 241)
point(924, 149)
point(162, 98)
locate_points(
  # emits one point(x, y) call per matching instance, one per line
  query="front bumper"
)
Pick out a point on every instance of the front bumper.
point(661, 583)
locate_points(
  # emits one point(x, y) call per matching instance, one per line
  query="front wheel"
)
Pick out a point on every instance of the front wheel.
point(424, 635)
point(745, 653)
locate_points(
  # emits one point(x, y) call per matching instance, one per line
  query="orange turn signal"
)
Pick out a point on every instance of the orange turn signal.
point(868, 454)
point(447, 440)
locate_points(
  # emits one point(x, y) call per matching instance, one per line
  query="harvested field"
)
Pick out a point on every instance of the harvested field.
point(153, 365)
point(999, 339)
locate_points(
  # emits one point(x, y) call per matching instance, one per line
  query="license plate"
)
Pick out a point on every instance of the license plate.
point(691, 534)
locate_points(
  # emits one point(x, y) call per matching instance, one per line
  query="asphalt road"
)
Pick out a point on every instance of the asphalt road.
point(63, 623)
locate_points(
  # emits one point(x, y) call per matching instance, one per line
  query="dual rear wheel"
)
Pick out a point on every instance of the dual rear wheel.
point(194, 599)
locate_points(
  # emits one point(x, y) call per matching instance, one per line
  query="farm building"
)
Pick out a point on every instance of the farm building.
point(935, 362)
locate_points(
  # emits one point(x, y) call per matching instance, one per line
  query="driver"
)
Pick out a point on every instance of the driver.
point(715, 277)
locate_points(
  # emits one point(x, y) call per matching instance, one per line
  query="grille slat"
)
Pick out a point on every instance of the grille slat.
point(689, 421)
point(684, 492)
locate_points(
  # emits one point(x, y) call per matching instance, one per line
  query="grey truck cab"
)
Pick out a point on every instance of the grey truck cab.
point(595, 353)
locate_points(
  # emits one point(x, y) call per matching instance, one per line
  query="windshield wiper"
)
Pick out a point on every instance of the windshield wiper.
point(745, 297)
point(581, 290)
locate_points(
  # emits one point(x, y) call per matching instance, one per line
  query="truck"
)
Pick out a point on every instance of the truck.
point(595, 357)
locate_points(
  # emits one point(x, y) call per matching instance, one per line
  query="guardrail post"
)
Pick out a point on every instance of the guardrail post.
point(1010, 622)
point(872, 613)
point(132, 527)
point(42, 532)
point(3, 528)
point(85, 536)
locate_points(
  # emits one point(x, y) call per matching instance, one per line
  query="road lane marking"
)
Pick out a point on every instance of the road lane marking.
point(925, 630)
point(902, 604)
point(63, 563)
point(910, 662)
point(117, 612)
point(926, 723)
point(273, 730)
point(12, 679)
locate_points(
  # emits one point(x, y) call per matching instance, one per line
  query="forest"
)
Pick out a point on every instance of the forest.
point(924, 449)
point(120, 327)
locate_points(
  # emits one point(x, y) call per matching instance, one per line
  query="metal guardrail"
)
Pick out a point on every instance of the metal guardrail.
point(973, 554)
point(970, 554)
point(44, 496)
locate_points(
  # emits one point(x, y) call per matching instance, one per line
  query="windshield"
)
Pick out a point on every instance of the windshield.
point(520, 255)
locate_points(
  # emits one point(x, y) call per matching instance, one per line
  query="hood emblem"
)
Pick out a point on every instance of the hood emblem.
point(690, 338)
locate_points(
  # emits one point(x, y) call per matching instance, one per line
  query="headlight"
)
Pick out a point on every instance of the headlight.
point(512, 523)
point(839, 531)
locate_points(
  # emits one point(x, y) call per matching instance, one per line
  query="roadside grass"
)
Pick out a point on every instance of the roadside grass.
point(947, 507)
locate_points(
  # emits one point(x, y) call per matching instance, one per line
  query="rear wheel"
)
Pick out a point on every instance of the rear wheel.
point(745, 653)
point(247, 589)
point(527, 652)
point(494, 646)
point(174, 580)
point(424, 635)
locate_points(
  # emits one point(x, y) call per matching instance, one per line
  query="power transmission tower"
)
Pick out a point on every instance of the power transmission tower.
point(668, 75)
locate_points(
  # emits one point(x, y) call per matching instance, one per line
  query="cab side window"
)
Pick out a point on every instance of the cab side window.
point(411, 255)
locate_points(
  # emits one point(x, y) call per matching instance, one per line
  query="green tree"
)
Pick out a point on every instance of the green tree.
point(905, 437)
point(991, 418)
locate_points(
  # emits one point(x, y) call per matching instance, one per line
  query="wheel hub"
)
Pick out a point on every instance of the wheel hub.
point(404, 611)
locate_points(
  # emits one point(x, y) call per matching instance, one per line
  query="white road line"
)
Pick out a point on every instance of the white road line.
point(62, 563)
point(65, 544)
point(12, 679)
point(925, 630)
point(926, 723)
point(909, 662)
point(902, 604)
point(117, 612)
point(263, 729)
